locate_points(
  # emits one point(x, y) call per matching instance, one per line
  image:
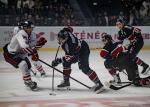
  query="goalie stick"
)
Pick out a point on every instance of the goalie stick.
point(62, 73)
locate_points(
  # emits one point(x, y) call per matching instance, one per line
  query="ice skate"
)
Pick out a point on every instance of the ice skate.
point(64, 85)
point(146, 69)
point(32, 85)
point(116, 80)
point(99, 88)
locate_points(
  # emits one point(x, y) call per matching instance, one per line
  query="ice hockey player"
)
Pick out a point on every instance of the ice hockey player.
point(118, 58)
point(109, 46)
point(36, 40)
point(75, 51)
point(134, 35)
point(16, 53)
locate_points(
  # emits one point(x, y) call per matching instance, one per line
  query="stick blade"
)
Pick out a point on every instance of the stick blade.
point(111, 86)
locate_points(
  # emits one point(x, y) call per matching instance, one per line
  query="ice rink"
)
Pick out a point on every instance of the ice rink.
point(13, 93)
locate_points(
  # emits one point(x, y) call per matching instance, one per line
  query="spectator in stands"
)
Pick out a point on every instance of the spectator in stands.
point(37, 20)
point(30, 18)
point(146, 4)
point(19, 6)
point(143, 12)
point(59, 12)
point(106, 17)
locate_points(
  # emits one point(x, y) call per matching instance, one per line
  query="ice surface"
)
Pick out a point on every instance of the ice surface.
point(13, 93)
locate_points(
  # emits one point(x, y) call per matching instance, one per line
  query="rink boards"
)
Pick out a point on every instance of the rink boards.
point(90, 34)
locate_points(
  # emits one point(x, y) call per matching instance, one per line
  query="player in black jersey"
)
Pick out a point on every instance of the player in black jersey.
point(117, 57)
point(75, 51)
point(134, 35)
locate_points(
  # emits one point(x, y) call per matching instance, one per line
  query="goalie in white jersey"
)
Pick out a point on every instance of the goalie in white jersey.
point(16, 53)
point(36, 40)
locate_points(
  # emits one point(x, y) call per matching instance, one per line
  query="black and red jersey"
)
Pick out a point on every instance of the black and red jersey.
point(112, 50)
point(130, 33)
point(72, 46)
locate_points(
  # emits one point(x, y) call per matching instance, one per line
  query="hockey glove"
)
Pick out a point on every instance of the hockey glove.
point(35, 56)
point(41, 42)
point(56, 62)
point(69, 58)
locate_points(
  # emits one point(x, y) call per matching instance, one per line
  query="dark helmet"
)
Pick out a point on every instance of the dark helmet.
point(68, 29)
point(120, 21)
point(107, 37)
point(28, 24)
point(63, 34)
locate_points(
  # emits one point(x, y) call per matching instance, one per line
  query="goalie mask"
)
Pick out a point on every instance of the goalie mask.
point(62, 36)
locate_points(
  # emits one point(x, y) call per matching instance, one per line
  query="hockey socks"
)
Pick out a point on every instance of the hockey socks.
point(99, 86)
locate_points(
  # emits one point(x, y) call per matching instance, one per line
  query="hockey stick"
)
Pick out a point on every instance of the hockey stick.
point(53, 71)
point(34, 73)
point(62, 73)
point(111, 86)
point(118, 88)
point(125, 73)
point(125, 82)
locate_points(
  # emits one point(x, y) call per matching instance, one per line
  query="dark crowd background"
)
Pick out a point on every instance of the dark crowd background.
point(75, 12)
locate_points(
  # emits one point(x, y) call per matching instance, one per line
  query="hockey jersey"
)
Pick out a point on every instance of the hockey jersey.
point(20, 44)
point(112, 50)
point(130, 33)
point(72, 45)
point(32, 40)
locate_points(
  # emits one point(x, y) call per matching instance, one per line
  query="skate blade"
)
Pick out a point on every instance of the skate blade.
point(100, 90)
point(147, 71)
point(64, 88)
point(35, 89)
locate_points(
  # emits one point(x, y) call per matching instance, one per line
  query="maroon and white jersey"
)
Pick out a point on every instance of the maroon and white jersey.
point(19, 43)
